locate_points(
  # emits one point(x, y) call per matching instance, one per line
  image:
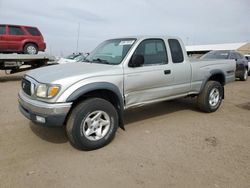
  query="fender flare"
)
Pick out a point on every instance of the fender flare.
point(212, 73)
point(101, 86)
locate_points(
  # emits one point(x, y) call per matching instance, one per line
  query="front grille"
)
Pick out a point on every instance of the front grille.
point(26, 86)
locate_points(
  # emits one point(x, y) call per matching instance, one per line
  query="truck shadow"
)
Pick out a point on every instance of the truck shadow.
point(10, 78)
point(55, 135)
point(159, 109)
point(58, 134)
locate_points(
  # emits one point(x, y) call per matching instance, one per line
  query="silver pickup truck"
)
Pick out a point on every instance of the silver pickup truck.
point(90, 97)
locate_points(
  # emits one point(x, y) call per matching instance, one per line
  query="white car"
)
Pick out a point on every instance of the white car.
point(72, 58)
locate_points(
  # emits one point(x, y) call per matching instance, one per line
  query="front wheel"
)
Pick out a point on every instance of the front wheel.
point(210, 98)
point(92, 124)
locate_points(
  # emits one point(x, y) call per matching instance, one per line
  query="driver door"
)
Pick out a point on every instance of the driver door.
point(151, 81)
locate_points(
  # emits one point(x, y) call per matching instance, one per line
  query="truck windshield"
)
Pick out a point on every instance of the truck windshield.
point(111, 51)
point(216, 55)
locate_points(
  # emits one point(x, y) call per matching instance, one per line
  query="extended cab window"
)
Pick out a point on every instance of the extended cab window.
point(2, 30)
point(33, 31)
point(14, 30)
point(153, 51)
point(176, 51)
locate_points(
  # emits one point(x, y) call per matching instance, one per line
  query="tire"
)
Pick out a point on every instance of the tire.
point(30, 49)
point(84, 130)
point(244, 76)
point(207, 101)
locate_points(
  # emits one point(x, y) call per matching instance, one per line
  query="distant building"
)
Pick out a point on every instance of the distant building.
point(199, 50)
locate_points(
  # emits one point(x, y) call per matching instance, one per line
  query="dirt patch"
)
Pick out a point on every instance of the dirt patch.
point(170, 144)
point(213, 141)
point(245, 106)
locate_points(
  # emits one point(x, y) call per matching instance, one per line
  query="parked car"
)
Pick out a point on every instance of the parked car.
point(21, 39)
point(119, 74)
point(241, 62)
point(72, 58)
point(247, 56)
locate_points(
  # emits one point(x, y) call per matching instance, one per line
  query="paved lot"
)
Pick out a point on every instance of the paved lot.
point(170, 144)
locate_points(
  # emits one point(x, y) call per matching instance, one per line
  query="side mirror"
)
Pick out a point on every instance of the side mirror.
point(136, 61)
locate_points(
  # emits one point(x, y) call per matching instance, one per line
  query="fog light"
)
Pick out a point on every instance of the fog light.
point(40, 119)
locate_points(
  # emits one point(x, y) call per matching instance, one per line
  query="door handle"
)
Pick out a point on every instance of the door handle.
point(167, 71)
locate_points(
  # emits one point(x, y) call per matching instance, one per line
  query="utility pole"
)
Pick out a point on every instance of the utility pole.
point(78, 36)
point(187, 41)
point(50, 50)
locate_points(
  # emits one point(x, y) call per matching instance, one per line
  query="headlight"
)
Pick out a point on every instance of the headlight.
point(42, 91)
point(47, 91)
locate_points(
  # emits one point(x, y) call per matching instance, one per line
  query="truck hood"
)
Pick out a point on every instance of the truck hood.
point(57, 74)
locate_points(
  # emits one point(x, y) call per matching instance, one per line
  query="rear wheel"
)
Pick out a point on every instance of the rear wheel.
point(244, 75)
point(210, 98)
point(30, 49)
point(92, 124)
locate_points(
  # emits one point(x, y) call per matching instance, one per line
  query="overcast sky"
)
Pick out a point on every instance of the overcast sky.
point(195, 21)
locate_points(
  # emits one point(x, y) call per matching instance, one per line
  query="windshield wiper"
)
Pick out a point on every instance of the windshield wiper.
point(102, 61)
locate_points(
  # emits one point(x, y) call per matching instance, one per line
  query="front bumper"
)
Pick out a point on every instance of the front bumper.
point(43, 113)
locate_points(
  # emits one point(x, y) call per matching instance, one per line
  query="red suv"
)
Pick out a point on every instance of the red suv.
point(21, 39)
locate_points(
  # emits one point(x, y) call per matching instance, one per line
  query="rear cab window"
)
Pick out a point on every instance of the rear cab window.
point(176, 51)
point(2, 29)
point(15, 30)
point(33, 31)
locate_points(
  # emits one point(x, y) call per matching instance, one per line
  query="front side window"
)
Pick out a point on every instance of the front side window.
point(176, 51)
point(2, 30)
point(15, 30)
point(111, 51)
point(153, 51)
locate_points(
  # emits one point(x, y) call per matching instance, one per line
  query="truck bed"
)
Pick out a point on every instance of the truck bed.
point(204, 67)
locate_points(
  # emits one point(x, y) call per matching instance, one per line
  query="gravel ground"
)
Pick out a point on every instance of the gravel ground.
point(170, 144)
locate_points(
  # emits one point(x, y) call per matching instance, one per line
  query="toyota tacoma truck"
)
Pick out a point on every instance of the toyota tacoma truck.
point(90, 97)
